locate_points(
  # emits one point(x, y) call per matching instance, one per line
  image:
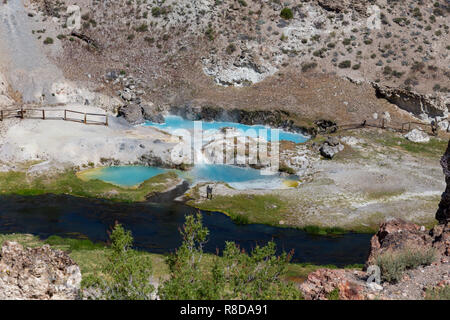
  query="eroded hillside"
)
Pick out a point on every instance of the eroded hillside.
point(280, 55)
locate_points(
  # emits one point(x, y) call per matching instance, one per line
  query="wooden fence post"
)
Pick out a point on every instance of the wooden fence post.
point(85, 118)
point(1, 114)
point(65, 114)
point(106, 121)
point(21, 112)
point(43, 114)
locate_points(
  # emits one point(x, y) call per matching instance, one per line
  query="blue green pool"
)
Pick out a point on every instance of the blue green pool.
point(236, 177)
point(173, 123)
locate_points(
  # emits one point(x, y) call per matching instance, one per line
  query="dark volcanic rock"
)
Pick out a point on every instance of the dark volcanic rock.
point(132, 113)
point(325, 126)
point(397, 234)
point(150, 113)
point(443, 213)
point(331, 147)
point(342, 5)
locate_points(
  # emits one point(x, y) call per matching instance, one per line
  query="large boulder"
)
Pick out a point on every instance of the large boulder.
point(132, 113)
point(397, 234)
point(348, 284)
point(416, 135)
point(151, 113)
point(331, 147)
point(38, 273)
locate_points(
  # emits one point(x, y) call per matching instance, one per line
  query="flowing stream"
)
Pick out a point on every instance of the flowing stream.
point(155, 227)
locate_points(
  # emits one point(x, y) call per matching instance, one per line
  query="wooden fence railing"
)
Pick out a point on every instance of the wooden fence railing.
point(56, 114)
point(395, 126)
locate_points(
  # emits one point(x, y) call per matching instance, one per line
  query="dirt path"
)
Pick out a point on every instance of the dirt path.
point(21, 56)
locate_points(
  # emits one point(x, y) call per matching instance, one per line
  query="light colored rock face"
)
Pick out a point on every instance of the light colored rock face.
point(4, 99)
point(416, 135)
point(29, 70)
point(39, 273)
point(239, 73)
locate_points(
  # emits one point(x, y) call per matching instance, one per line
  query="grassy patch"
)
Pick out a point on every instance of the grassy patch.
point(323, 231)
point(383, 194)
point(267, 209)
point(434, 148)
point(438, 293)
point(394, 264)
point(69, 183)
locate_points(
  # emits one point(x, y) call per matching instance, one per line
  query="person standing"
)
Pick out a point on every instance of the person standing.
point(208, 192)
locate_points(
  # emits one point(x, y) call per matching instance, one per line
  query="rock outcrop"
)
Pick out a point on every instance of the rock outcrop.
point(443, 213)
point(321, 284)
point(331, 147)
point(132, 113)
point(429, 105)
point(137, 113)
point(416, 135)
point(397, 234)
point(275, 118)
point(341, 6)
point(38, 273)
point(393, 235)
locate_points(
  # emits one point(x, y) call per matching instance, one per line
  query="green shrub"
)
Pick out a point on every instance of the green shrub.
point(237, 275)
point(231, 48)
point(142, 28)
point(345, 64)
point(242, 3)
point(308, 66)
point(48, 40)
point(394, 264)
point(286, 13)
point(240, 219)
point(156, 11)
point(128, 271)
point(210, 34)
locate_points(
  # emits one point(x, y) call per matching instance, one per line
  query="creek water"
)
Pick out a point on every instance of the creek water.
point(155, 227)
